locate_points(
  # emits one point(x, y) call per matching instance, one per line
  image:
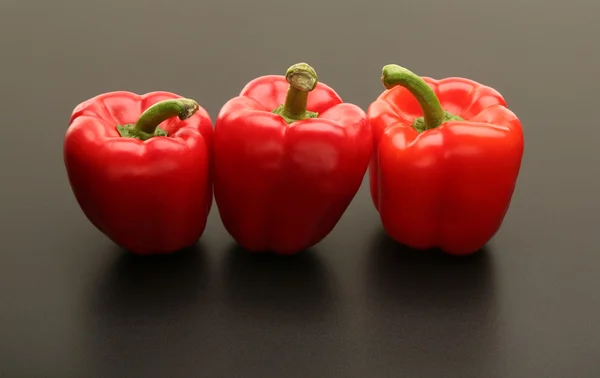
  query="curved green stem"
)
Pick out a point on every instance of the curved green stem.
point(433, 113)
point(147, 125)
point(302, 79)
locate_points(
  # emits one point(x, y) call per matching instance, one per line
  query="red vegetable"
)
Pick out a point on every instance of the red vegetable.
point(139, 175)
point(289, 158)
point(446, 160)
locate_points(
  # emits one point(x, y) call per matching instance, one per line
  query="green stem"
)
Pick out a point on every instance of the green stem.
point(433, 113)
point(147, 125)
point(302, 79)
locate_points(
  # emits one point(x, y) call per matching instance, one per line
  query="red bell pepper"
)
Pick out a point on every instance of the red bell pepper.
point(141, 176)
point(289, 157)
point(447, 154)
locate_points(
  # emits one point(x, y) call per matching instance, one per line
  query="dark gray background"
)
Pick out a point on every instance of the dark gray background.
point(74, 305)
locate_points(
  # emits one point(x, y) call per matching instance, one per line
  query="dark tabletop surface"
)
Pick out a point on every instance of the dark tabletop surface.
point(357, 305)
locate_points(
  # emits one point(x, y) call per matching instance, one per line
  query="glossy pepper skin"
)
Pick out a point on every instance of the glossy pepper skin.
point(447, 155)
point(139, 167)
point(289, 157)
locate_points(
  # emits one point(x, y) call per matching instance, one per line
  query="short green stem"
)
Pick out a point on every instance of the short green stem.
point(147, 125)
point(433, 113)
point(302, 79)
